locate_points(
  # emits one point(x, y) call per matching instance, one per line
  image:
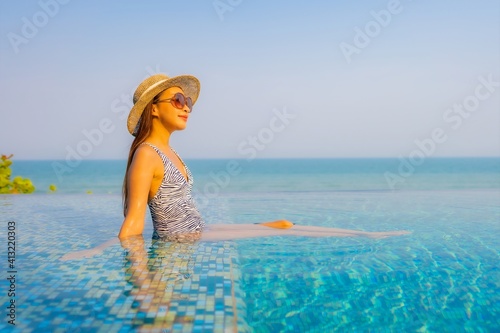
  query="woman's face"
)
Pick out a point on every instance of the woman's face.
point(167, 114)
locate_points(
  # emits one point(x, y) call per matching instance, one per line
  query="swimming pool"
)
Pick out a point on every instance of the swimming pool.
point(444, 277)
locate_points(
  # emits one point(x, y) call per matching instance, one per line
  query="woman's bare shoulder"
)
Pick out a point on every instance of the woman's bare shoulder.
point(145, 148)
point(146, 157)
point(146, 152)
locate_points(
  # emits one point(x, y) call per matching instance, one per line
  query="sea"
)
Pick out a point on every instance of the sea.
point(278, 175)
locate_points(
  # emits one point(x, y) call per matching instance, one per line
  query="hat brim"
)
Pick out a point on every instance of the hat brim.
point(189, 84)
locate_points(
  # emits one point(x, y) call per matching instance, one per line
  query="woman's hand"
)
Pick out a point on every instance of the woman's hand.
point(278, 224)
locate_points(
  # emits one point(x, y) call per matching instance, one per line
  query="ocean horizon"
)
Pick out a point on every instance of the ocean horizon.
point(283, 174)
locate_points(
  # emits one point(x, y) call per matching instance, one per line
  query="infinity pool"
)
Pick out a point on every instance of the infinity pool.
point(444, 277)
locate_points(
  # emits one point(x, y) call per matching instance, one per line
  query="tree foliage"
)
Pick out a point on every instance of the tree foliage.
point(16, 185)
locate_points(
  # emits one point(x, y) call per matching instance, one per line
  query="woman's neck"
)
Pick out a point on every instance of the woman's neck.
point(159, 137)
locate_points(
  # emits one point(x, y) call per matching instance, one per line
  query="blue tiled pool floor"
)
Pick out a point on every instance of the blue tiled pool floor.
point(176, 293)
point(167, 287)
point(444, 277)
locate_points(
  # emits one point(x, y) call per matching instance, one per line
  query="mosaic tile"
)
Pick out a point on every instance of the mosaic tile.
point(173, 288)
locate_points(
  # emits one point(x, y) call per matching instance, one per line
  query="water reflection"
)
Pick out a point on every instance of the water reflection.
point(161, 280)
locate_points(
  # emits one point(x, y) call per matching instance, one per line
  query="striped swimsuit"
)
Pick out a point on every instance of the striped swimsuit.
point(173, 210)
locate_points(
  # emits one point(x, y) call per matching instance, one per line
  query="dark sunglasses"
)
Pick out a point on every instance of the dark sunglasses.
point(179, 101)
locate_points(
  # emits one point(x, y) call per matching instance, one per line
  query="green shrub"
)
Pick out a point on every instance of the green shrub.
point(18, 184)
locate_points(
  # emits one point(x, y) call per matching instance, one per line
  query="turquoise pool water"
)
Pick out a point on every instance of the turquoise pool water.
point(444, 277)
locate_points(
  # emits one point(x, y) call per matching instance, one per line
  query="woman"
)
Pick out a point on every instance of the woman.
point(156, 176)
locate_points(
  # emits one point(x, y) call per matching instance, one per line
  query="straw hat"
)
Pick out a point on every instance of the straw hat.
point(154, 85)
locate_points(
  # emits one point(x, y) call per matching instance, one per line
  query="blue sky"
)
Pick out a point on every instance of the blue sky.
point(279, 79)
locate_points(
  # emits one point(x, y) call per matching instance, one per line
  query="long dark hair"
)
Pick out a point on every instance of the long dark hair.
point(145, 124)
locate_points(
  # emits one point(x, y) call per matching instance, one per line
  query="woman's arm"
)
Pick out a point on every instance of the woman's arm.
point(140, 176)
point(87, 253)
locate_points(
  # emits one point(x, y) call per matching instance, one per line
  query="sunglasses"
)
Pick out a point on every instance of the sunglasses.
point(179, 101)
